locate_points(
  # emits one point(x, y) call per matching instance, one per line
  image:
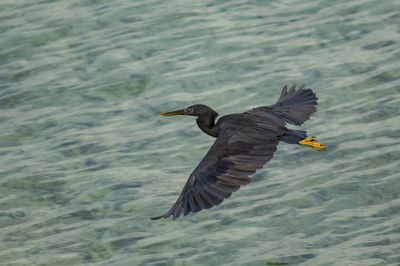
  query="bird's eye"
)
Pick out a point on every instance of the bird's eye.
point(190, 110)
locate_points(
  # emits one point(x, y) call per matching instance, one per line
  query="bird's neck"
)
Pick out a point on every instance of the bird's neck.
point(207, 125)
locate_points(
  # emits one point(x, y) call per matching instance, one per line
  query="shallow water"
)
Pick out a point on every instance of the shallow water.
point(86, 160)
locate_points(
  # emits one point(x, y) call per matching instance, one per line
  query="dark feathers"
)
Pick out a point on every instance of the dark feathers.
point(294, 106)
point(245, 143)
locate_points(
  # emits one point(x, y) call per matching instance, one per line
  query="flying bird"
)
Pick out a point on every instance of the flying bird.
point(244, 143)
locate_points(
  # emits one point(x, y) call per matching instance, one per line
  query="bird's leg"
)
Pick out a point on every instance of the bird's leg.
point(312, 142)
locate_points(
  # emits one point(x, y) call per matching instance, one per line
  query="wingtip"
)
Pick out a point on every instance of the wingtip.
point(158, 217)
point(284, 90)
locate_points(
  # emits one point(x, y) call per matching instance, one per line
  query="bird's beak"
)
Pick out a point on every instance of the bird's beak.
point(177, 112)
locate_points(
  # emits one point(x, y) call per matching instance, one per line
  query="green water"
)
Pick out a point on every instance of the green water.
point(86, 160)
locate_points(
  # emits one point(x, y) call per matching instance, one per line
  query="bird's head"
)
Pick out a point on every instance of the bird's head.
point(194, 110)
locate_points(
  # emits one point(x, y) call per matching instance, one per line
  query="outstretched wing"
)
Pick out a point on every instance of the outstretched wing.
point(244, 144)
point(293, 106)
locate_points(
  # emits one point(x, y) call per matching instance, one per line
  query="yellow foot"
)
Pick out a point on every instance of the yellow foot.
point(312, 142)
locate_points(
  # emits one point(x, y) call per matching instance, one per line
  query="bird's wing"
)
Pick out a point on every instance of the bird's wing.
point(242, 146)
point(293, 106)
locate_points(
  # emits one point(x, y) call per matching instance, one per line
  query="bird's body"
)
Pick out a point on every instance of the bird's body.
point(244, 143)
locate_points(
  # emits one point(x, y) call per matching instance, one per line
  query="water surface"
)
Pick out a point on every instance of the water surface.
point(86, 160)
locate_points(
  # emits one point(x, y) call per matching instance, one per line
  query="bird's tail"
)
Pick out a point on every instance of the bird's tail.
point(295, 106)
point(300, 137)
point(294, 136)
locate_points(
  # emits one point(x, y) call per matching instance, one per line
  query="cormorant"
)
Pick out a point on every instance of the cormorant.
point(244, 143)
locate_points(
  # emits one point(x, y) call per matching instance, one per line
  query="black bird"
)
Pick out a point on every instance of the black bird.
point(244, 143)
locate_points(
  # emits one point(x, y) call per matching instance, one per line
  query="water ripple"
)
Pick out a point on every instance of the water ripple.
point(86, 159)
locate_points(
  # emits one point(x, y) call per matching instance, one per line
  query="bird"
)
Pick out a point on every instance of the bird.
point(244, 143)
